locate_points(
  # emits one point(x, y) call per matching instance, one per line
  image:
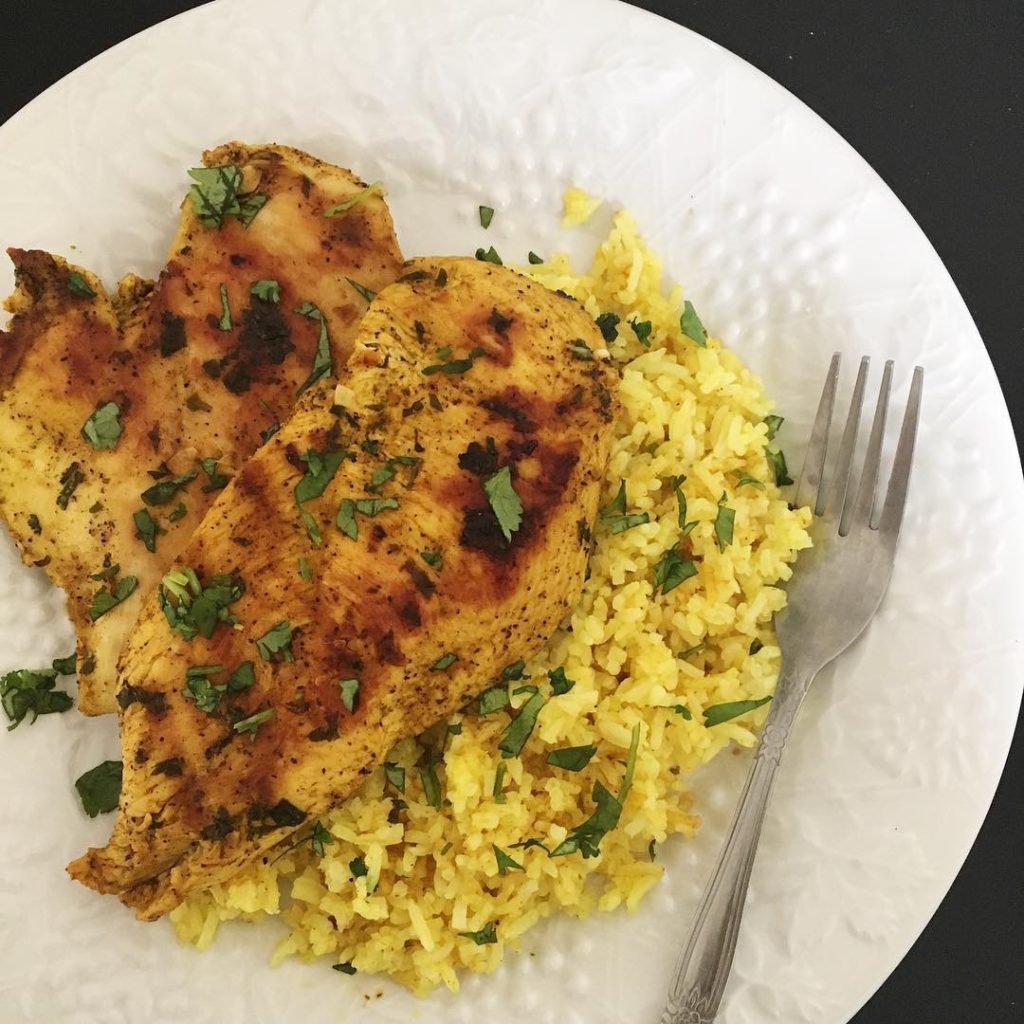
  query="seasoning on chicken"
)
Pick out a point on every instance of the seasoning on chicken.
point(122, 416)
point(371, 568)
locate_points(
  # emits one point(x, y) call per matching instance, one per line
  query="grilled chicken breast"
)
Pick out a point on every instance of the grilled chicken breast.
point(201, 366)
point(396, 549)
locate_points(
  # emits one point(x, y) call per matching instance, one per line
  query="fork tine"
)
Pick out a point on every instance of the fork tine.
point(896, 497)
point(841, 479)
point(864, 508)
point(808, 487)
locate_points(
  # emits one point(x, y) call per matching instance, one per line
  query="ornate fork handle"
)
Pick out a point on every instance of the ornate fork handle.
point(703, 968)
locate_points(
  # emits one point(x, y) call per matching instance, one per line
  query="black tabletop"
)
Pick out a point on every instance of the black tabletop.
point(931, 93)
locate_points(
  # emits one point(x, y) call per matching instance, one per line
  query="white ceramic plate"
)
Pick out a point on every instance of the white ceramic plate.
point(789, 245)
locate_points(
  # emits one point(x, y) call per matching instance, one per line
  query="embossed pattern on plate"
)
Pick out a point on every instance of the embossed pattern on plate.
point(789, 245)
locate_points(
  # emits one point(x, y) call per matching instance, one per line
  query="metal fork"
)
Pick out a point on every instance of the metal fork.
point(835, 591)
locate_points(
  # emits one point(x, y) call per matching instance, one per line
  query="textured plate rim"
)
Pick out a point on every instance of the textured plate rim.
point(966, 839)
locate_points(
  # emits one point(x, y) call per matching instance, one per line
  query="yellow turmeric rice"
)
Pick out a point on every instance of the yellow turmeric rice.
point(392, 884)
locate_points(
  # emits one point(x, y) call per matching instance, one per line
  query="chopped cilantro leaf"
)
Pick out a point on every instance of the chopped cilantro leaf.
point(493, 699)
point(724, 523)
point(146, 528)
point(682, 709)
point(499, 783)
point(178, 512)
point(454, 365)
point(276, 640)
point(777, 461)
point(365, 292)
point(372, 507)
point(319, 838)
point(627, 778)
point(617, 505)
point(312, 527)
point(560, 683)
point(671, 570)
point(320, 470)
point(25, 691)
point(108, 572)
point(586, 838)
point(695, 649)
point(78, 285)
point(353, 200)
point(65, 666)
point(515, 670)
point(533, 258)
point(305, 569)
point(486, 216)
point(253, 722)
point(344, 968)
point(216, 480)
point(719, 713)
point(445, 662)
point(322, 362)
point(489, 256)
point(525, 844)
point(266, 291)
point(104, 600)
point(608, 325)
point(505, 862)
point(197, 608)
point(381, 475)
point(677, 486)
point(642, 330)
point(346, 519)
point(518, 731)
point(756, 646)
point(486, 936)
point(690, 325)
point(773, 423)
point(249, 206)
point(242, 678)
point(69, 481)
point(358, 867)
point(198, 688)
point(349, 693)
point(99, 788)
point(162, 492)
point(216, 195)
point(614, 516)
point(744, 480)
point(572, 759)
point(431, 784)
point(507, 507)
point(433, 558)
point(103, 428)
point(224, 323)
point(395, 774)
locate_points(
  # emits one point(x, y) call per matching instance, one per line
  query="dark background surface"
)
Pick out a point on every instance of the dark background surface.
point(931, 93)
